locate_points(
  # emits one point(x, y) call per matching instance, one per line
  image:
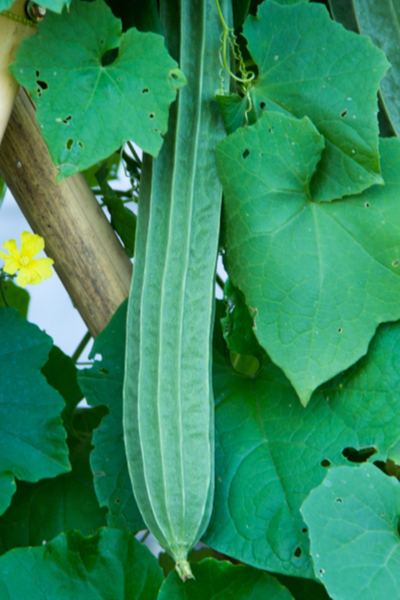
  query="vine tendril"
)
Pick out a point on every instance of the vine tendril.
point(228, 38)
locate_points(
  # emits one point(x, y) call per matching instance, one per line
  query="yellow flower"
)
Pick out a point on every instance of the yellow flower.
point(31, 270)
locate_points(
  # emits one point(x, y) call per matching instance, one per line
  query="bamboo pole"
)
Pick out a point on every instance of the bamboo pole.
point(11, 35)
point(88, 256)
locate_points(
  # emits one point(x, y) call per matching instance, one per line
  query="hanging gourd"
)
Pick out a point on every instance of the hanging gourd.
point(168, 398)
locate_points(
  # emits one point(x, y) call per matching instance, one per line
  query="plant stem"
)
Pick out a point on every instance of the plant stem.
point(82, 345)
point(220, 282)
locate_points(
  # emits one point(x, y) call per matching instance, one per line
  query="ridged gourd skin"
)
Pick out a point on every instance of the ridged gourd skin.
point(168, 398)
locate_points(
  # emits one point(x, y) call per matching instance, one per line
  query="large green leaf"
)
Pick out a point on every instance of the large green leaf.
point(55, 5)
point(32, 438)
point(380, 21)
point(353, 518)
point(310, 66)
point(271, 452)
point(41, 511)
point(321, 276)
point(216, 580)
point(102, 385)
point(109, 565)
point(80, 86)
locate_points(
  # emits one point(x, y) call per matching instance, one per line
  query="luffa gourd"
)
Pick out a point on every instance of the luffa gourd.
point(168, 399)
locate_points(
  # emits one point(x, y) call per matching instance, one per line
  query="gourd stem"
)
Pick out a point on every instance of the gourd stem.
point(183, 569)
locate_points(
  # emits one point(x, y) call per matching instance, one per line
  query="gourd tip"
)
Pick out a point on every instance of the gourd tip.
point(184, 570)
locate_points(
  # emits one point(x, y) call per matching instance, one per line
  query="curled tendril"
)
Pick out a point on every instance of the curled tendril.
point(228, 38)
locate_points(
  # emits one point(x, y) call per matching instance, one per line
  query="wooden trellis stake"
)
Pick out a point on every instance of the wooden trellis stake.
point(87, 254)
point(11, 35)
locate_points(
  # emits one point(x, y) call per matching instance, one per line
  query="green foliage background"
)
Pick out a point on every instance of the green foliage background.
point(306, 367)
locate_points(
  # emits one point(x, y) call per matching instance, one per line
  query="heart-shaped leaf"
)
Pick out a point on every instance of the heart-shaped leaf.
point(85, 74)
point(320, 276)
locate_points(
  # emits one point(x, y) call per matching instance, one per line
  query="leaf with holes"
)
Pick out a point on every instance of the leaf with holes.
point(320, 276)
point(310, 66)
point(84, 74)
point(271, 452)
point(110, 564)
point(221, 580)
point(35, 447)
point(102, 386)
point(353, 518)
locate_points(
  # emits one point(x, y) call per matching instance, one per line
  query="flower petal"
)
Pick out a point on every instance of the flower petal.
point(23, 277)
point(32, 244)
point(11, 265)
point(42, 267)
point(11, 247)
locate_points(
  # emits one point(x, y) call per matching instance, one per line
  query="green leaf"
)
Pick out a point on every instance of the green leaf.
point(223, 581)
point(111, 564)
point(102, 385)
point(43, 510)
point(271, 452)
point(61, 374)
point(32, 438)
point(353, 518)
point(16, 297)
point(77, 97)
point(55, 5)
point(310, 66)
point(321, 276)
